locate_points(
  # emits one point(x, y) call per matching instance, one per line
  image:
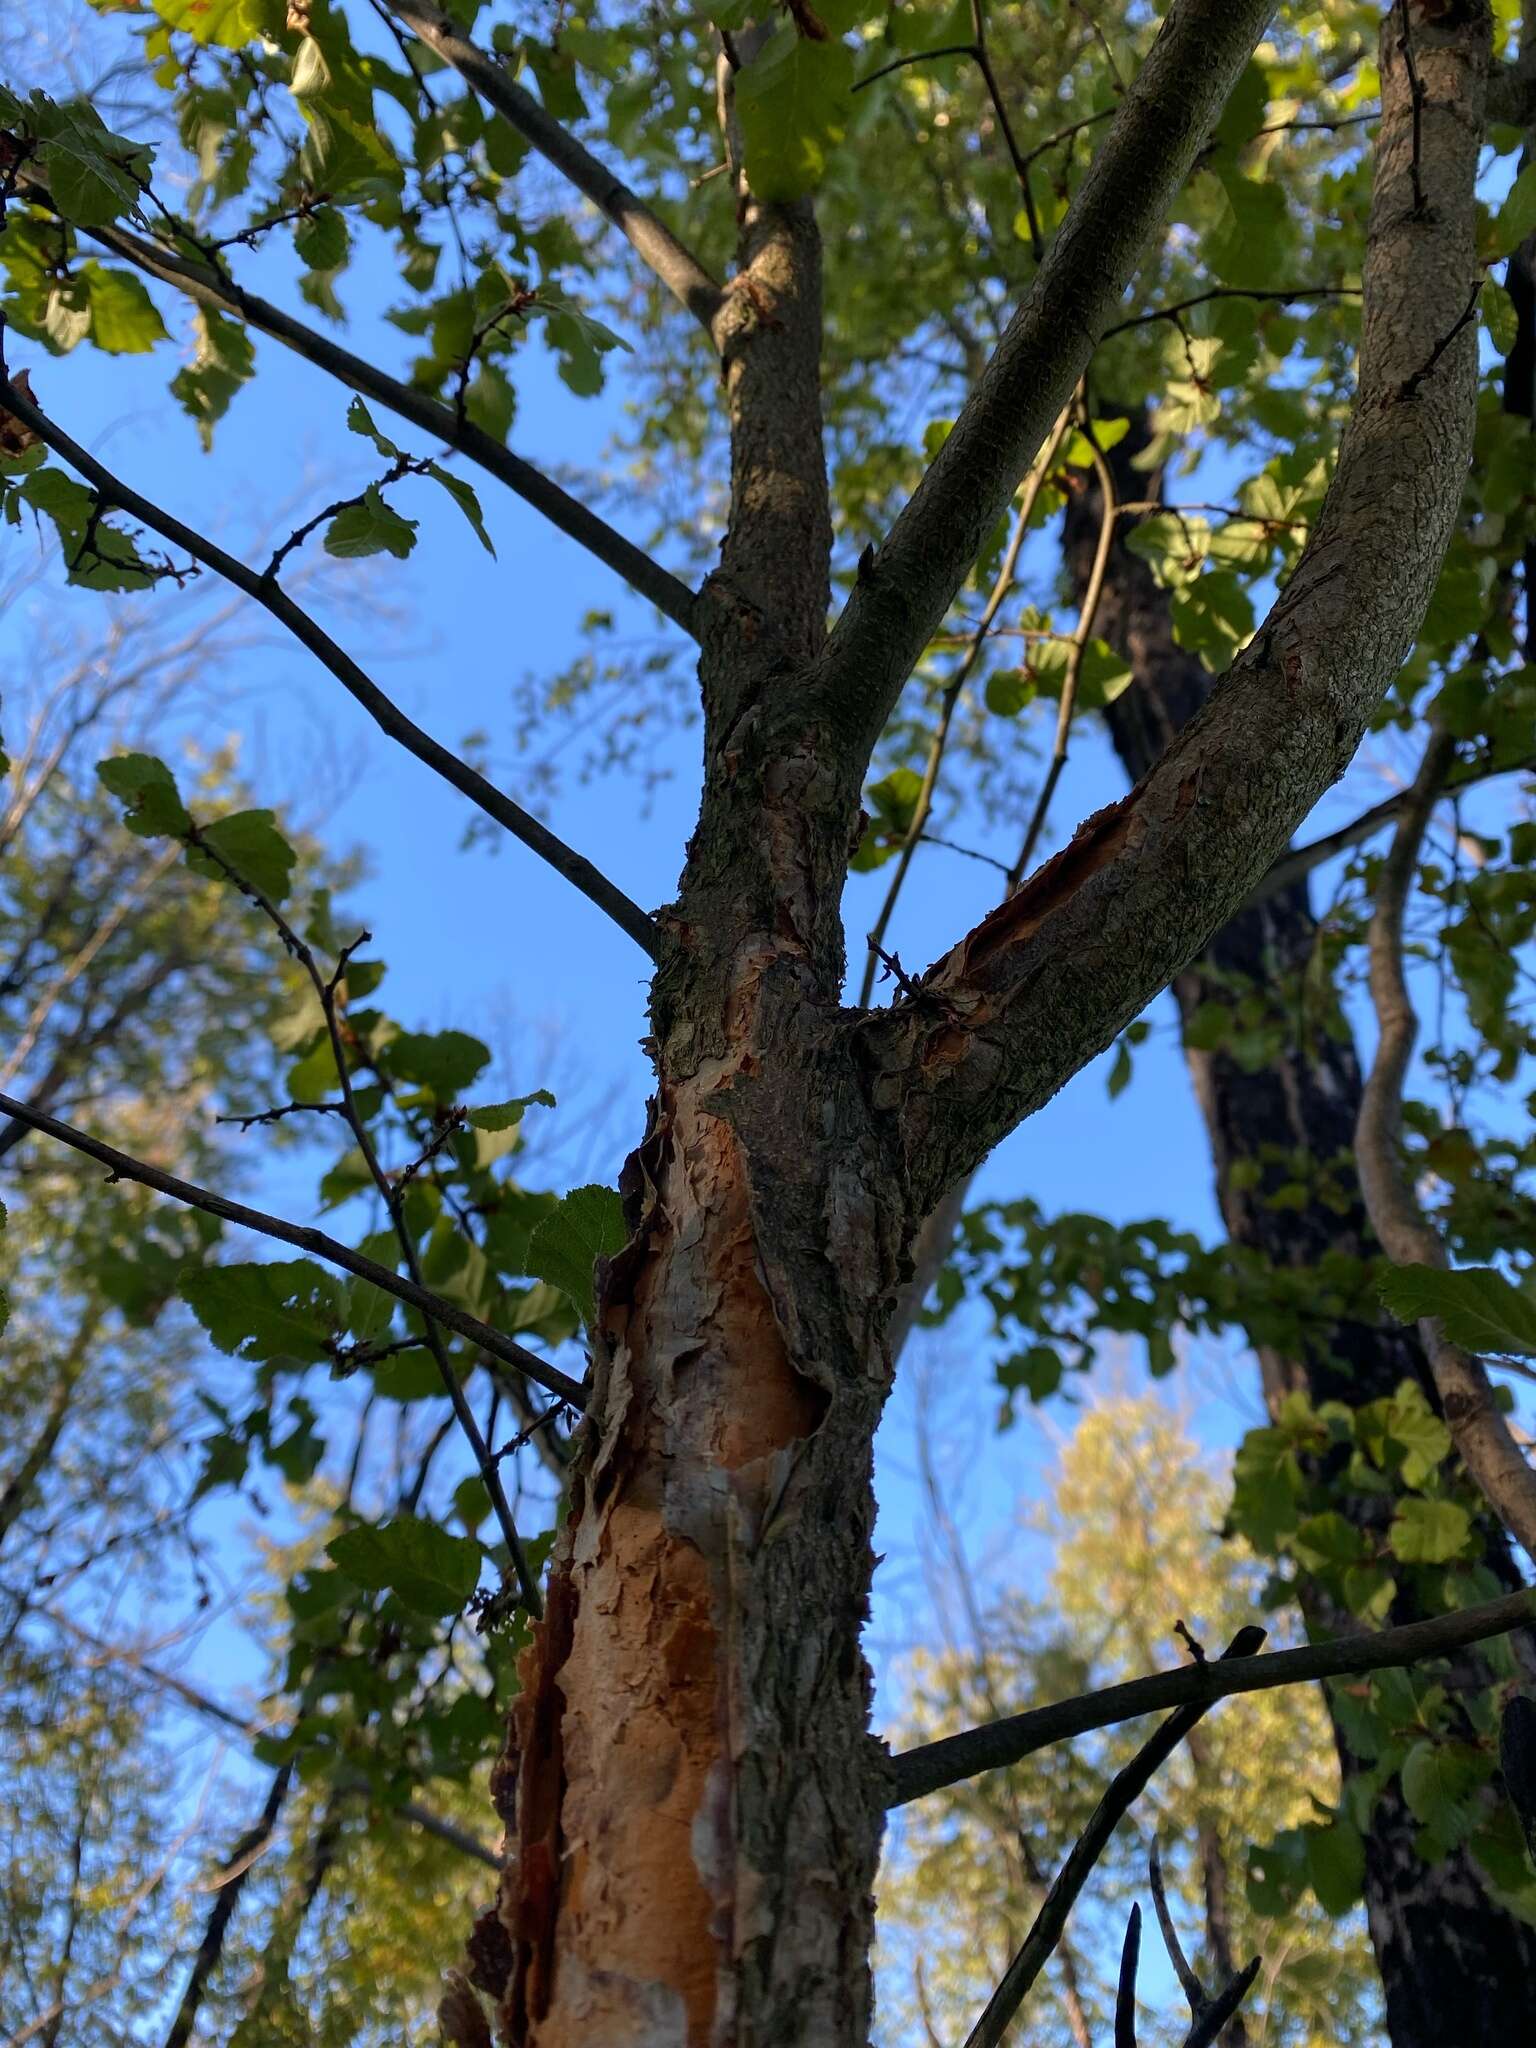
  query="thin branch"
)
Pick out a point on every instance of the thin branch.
point(1301, 860)
point(392, 1194)
point(1000, 111)
point(1282, 294)
point(917, 57)
point(1123, 1790)
point(923, 808)
point(1079, 648)
point(650, 238)
point(244, 1854)
point(121, 1166)
point(1125, 1993)
point(386, 714)
point(1189, 1983)
point(1408, 1237)
point(995, 1745)
point(208, 287)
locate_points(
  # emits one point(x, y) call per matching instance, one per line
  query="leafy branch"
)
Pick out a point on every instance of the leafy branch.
point(123, 1166)
point(386, 714)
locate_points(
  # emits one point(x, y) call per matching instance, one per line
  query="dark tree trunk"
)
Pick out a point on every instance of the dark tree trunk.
point(1456, 1966)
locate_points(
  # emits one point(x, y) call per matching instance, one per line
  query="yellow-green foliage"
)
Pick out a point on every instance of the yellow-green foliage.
point(1134, 1512)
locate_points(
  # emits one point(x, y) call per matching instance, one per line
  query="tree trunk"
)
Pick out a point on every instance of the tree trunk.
point(693, 1798)
point(1455, 1965)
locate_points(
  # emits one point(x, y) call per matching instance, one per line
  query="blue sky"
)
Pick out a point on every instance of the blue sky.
point(479, 937)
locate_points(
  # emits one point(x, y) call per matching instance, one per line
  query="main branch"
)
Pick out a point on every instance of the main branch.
point(1162, 123)
point(1047, 980)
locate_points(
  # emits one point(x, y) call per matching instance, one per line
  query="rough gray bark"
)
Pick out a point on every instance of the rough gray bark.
point(980, 1045)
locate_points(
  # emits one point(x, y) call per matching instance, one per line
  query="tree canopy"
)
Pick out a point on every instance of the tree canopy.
point(998, 404)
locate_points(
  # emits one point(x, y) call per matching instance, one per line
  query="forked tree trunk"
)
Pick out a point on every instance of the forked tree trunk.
point(692, 1793)
point(1456, 1966)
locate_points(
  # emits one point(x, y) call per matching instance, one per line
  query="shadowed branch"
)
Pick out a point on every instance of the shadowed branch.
point(933, 1765)
point(122, 1166)
point(385, 713)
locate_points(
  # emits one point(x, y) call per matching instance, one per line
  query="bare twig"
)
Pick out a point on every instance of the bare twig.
point(122, 1166)
point(996, 1744)
point(922, 810)
point(1123, 1790)
point(1079, 648)
point(386, 714)
point(1282, 295)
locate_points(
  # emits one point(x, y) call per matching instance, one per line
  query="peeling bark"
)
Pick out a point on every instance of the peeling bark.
point(693, 1798)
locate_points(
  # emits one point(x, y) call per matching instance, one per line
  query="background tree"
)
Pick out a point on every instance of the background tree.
point(1133, 1509)
point(710, 1572)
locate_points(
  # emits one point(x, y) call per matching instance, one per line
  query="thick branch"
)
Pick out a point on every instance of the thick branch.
point(1407, 1236)
point(955, 1758)
point(650, 238)
point(121, 1166)
point(1162, 123)
point(384, 712)
point(672, 598)
point(1047, 981)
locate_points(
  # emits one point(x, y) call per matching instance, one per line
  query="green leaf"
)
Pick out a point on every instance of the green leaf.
point(502, 1116)
point(447, 1062)
point(1120, 1072)
point(369, 1311)
point(1429, 1531)
point(229, 24)
point(124, 318)
point(285, 1309)
point(1335, 1864)
point(360, 421)
point(1437, 1778)
point(587, 1225)
point(428, 1569)
point(93, 175)
point(223, 360)
point(147, 789)
point(1327, 1542)
point(321, 241)
point(1423, 1438)
point(1499, 316)
point(252, 845)
point(370, 527)
point(1008, 691)
point(99, 555)
point(464, 496)
point(1479, 1307)
point(1516, 217)
point(794, 101)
